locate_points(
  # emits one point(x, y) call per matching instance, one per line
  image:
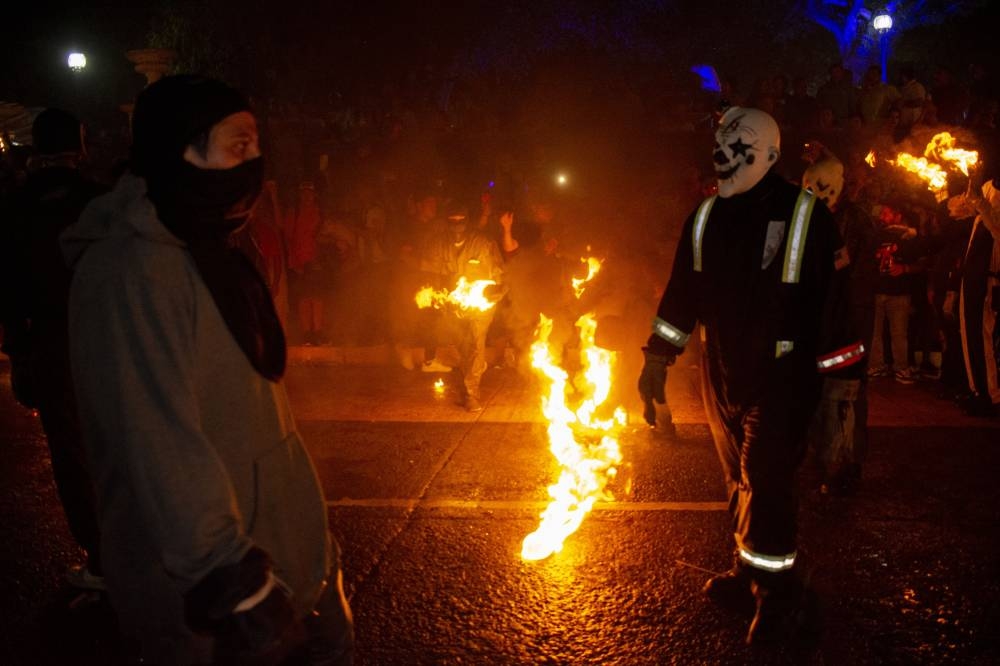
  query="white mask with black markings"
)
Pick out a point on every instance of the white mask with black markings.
point(747, 144)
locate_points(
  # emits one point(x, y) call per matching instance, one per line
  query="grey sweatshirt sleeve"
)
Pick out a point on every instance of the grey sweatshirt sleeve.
point(133, 356)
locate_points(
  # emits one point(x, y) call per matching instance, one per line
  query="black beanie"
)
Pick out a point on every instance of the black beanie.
point(56, 131)
point(172, 112)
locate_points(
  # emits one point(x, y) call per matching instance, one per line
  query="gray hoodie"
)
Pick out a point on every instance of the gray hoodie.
point(194, 455)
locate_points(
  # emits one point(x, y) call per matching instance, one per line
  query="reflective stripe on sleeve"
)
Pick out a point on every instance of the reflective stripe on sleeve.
point(698, 231)
point(795, 249)
point(841, 358)
point(671, 334)
point(767, 562)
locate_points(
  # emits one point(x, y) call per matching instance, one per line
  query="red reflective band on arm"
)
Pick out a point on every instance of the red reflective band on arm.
point(841, 358)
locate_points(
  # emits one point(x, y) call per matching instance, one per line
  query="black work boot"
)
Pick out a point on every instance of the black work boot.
point(787, 610)
point(731, 590)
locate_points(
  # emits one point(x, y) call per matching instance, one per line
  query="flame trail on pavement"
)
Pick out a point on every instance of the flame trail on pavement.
point(584, 444)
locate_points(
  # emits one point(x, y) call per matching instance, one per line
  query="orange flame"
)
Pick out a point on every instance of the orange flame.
point(942, 147)
point(439, 386)
point(466, 296)
point(870, 158)
point(585, 445)
point(593, 267)
point(935, 176)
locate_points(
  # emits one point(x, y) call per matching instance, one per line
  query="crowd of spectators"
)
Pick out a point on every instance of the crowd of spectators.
point(358, 185)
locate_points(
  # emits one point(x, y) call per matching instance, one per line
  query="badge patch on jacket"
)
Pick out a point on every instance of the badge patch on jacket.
point(775, 234)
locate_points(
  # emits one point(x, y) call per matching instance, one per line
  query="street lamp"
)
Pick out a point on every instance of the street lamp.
point(883, 24)
point(76, 61)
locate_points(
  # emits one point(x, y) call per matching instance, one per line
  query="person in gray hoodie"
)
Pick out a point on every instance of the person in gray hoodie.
point(214, 527)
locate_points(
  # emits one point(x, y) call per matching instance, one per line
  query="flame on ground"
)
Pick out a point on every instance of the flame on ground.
point(466, 296)
point(439, 386)
point(585, 445)
point(870, 159)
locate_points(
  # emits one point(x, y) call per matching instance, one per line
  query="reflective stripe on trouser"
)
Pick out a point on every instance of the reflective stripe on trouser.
point(977, 326)
point(760, 449)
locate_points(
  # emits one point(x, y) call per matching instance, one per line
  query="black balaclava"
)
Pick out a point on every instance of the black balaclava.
point(196, 205)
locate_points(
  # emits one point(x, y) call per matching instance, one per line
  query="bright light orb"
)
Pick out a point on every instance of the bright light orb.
point(76, 61)
point(562, 179)
point(882, 22)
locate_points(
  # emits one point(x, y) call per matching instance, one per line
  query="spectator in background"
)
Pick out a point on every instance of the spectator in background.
point(262, 240)
point(837, 94)
point(875, 97)
point(309, 280)
point(912, 96)
point(33, 311)
point(951, 99)
point(897, 253)
point(412, 326)
point(801, 108)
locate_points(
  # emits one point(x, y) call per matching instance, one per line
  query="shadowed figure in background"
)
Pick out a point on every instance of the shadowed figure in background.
point(36, 337)
point(462, 252)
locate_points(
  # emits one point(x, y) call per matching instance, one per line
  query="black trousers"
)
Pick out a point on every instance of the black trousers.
point(761, 445)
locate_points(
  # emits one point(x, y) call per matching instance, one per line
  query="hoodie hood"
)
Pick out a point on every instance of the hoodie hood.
point(124, 211)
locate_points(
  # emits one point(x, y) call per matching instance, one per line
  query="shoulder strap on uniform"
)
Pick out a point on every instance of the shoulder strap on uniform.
point(799, 228)
point(698, 231)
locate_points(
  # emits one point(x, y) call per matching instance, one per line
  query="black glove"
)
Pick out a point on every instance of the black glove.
point(261, 633)
point(653, 380)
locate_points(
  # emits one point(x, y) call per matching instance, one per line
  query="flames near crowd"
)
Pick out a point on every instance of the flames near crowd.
point(793, 244)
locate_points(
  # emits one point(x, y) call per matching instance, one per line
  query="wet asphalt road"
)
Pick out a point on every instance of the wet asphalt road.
point(430, 505)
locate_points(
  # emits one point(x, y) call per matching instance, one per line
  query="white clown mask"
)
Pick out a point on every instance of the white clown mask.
point(747, 144)
point(825, 179)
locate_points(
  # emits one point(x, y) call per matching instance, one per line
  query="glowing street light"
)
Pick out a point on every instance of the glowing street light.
point(883, 24)
point(77, 62)
point(562, 179)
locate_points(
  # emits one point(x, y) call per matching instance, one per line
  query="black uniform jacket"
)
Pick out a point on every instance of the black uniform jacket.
point(760, 330)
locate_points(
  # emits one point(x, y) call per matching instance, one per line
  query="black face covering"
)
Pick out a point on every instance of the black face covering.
point(206, 206)
point(202, 203)
point(202, 207)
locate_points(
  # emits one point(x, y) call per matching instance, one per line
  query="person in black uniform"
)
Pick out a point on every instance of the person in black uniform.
point(762, 268)
point(979, 293)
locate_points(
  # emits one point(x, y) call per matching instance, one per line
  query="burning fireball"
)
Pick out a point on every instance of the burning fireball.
point(593, 267)
point(584, 444)
point(466, 296)
point(944, 154)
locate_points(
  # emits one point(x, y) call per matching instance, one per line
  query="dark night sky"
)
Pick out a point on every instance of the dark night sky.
point(353, 40)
